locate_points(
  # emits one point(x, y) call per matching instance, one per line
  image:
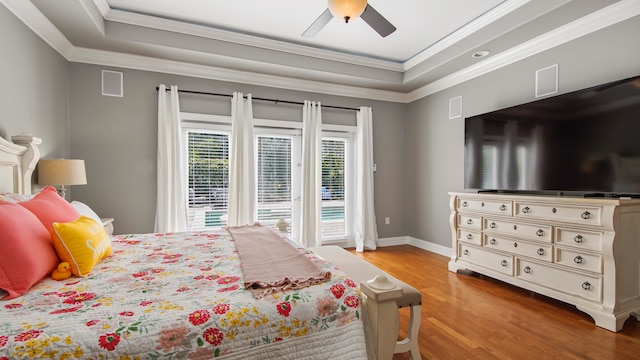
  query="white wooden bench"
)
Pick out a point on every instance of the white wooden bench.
point(382, 304)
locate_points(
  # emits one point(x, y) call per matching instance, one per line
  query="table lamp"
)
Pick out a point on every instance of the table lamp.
point(62, 172)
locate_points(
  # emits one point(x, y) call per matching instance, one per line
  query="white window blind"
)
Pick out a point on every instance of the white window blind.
point(208, 172)
point(333, 188)
point(278, 175)
point(274, 179)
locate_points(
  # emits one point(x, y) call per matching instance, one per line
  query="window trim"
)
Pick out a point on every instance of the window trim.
point(349, 183)
point(196, 119)
point(190, 121)
point(200, 129)
point(296, 139)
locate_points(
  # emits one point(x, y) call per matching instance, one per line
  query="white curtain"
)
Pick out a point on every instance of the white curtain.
point(366, 229)
point(171, 205)
point(241, 163)
point(311, 202)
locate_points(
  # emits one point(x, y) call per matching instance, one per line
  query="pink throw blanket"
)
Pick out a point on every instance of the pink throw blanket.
point(272, 264)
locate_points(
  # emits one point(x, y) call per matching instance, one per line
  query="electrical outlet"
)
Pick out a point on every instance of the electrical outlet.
point(387, 220)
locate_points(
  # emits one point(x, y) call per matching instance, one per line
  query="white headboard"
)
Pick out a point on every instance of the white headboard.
point(18, 159)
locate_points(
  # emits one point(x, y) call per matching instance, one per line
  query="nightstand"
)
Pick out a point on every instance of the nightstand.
point(108, 225)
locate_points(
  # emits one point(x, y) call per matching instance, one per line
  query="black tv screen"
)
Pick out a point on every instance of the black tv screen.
point(587, 141)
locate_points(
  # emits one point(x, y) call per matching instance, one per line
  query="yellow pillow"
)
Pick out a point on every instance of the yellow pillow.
point(82, 243)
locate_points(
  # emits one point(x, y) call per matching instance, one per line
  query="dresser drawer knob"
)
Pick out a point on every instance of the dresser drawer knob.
point(493, 225)
point(541, 251)
point(469, 221)
point(503, 207)
point(504, 263)
point(515, 227)
point(586, 215)
point(466, 252)
point(586, 285)
point(577, 259)
point(554, 210)
point(515, 244)
point(525, 210)
point(493, 241)
point(465, 204)
point(482, 204)
point(540, 232)
point(578, 238)
point(469, 236)
point(527, 270)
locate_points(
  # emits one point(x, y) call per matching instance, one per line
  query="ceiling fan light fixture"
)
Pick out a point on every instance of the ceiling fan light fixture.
point(347, 9)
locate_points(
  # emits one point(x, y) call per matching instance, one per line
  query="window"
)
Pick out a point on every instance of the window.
point(278, 176)
point(208, 178)
point(333, 188)
point(274, 180)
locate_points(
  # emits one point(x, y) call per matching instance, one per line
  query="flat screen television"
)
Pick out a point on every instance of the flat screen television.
point(585, 143)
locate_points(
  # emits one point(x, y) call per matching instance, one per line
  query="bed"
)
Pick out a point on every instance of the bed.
point(180, 296)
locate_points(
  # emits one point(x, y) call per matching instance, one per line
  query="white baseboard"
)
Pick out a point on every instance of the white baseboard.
point(393, 241)
point(430, 246)
point(401, 240)
point(422, 244)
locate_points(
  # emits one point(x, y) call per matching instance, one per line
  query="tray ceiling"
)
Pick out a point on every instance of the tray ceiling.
point(260, 42)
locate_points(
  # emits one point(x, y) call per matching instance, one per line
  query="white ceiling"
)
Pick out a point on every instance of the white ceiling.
point(259, 42)
point(419, 23)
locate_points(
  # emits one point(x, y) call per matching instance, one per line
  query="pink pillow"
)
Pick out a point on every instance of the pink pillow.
point(26, 252)
point(50, 207)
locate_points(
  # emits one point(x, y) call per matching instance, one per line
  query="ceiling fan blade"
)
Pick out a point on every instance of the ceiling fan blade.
point(317, 25)
point(381, 25)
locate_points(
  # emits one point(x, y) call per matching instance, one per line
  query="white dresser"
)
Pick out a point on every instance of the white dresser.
point(584, 251)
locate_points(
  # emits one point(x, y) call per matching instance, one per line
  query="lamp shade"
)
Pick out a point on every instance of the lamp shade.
point(61, 172)
point(347, 9)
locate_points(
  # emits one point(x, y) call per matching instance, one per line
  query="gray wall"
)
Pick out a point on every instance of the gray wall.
point(34, 89)
point(435, 144)
point(418, 150)
point(117, 139)
point(61, 102)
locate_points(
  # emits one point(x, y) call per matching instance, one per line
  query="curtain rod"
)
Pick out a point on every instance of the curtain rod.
point(259, 98)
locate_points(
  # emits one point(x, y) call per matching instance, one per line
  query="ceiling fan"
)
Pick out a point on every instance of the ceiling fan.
point(347, 10)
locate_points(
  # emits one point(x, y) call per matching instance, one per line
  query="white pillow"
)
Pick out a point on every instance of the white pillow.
point(15, 198)
point(85, 210)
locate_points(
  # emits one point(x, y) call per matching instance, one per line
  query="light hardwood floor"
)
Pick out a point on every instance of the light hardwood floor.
point(470, 316)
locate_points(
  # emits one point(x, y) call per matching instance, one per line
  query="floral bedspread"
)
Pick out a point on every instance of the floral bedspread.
point(173, 296)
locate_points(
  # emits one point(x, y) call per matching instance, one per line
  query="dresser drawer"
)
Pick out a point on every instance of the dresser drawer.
point(576, 284)
point(591, 240)
point(490, 260)
point(591, 215)
point(485, 206)
point(579, 260)
point(520, 247)
point(470, 222)
point(527, 231)
point(473, 237)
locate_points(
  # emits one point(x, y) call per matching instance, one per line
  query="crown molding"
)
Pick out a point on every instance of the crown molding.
point(108, 58)
point(157, 23)
point(95, 14)
point(102, 6)
point(40, 25)
point(477, 24)
point(612, 14)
